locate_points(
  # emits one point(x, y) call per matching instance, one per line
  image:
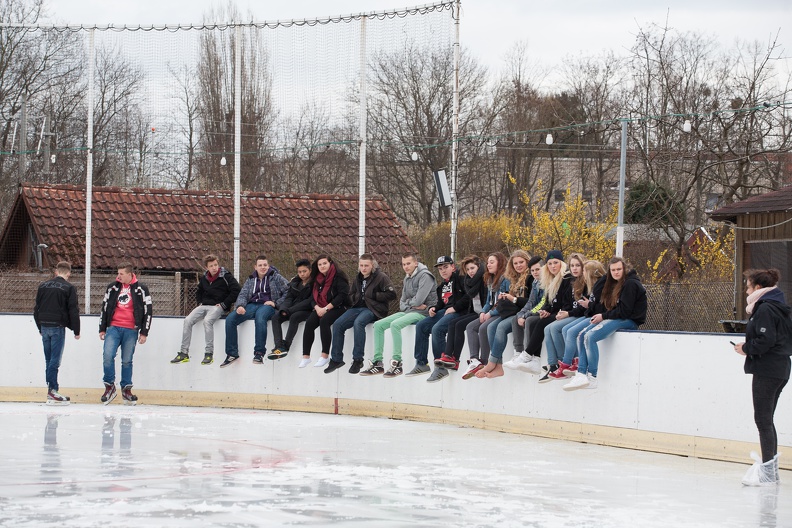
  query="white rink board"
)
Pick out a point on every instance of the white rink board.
point(683, 384)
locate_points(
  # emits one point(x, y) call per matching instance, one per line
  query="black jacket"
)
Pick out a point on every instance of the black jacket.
point(141, 306)
point(577, 309)
point(56, 305)
point(298, 297)
point(768, 337)
point(563, 299)
point(474, 287)
point(338, 295)
point(632, 301)
point(595, 305)
point(223, 290)
point(457, 300)
point(379, 292)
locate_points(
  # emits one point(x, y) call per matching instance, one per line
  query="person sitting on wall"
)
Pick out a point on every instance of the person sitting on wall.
point(257, 299)
point(418, 294)
point(329, 298)
point(295, 308)
point(451, 304)
point(217, 291)
point(369, 300)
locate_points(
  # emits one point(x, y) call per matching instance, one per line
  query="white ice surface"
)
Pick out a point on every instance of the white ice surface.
point(94, 466)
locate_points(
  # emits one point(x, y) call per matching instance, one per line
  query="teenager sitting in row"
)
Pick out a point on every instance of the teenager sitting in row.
point(509, 304)
point(624, 303)
point(476, 298)
point(329, 300)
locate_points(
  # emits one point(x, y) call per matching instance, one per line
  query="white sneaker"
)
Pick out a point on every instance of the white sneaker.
point(592, 381)
point(305, 362)
point(580, 381)
point(517, 360)
point(532, 366)
point(473, 366)
point(322, 362)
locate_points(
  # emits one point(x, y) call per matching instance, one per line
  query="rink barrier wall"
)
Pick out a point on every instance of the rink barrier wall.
point(676, 393)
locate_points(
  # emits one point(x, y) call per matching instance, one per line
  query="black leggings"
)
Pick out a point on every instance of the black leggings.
point(294, 322)
point(765, 399)
point(325, 324)
point(536, 338)
point(455, 339)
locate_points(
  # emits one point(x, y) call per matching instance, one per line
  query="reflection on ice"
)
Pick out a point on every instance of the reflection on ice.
point(86, 465)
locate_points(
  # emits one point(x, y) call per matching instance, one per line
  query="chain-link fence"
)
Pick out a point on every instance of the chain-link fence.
point(693, 307)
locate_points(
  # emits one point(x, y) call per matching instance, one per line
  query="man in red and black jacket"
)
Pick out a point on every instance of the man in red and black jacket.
point(125, 321)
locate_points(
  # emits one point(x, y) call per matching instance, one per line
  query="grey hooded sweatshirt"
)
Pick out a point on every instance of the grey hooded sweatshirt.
point(418, 289)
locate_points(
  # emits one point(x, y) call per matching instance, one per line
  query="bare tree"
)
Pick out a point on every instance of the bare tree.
point(410, 109)
point(216, 104)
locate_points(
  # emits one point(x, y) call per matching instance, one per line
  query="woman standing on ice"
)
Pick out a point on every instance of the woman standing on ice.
point(767, 347)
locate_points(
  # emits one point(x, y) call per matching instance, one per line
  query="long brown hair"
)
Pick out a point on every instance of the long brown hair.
point(579, 282)
point(517, 280)
point(613, 288)
point(495, 279)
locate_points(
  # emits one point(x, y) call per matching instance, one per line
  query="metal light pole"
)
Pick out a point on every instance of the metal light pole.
point(622, 178)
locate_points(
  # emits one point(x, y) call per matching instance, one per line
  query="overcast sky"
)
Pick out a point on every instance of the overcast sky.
point(489, 28)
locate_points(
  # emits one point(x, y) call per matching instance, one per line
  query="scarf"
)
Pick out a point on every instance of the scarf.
point(473, 284)
point(319, 290)
point(755, 296)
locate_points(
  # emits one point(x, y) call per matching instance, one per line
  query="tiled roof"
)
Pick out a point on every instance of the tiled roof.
point(773, 201)
point(171, 230)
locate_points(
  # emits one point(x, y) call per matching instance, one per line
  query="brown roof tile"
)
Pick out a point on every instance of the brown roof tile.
point(172, 229)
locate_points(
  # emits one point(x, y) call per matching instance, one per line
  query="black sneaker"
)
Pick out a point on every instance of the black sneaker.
point(258, 359)
point(546, 374)
point(278, 353)
point(129, 398)
point(373, 369)
point(181, 357)
point(109, 393)
point(333, 365)
point(394, 370)
point(357, 364)
point(208, 359)
point(228, 361)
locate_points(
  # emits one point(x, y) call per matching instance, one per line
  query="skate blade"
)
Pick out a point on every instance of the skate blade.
point(127, 402)
point(57, 403)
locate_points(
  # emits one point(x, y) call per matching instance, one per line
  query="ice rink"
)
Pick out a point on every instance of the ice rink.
point(95, 466)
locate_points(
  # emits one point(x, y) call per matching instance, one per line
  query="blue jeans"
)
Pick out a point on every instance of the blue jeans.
point(569, 334)
point(589, 337)
point(554, 338)
point(356, 318)
point(261, 313)
point(115, 337)
point(53, 338)
point(437, 327)
point(498, 335)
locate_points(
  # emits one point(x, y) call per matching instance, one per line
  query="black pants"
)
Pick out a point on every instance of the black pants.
point(765, 399)
point(294, 322)
point(455, 339)
point(325, 325)
point(535, 340)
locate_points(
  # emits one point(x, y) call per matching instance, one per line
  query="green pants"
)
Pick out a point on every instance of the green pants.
point(396, 323)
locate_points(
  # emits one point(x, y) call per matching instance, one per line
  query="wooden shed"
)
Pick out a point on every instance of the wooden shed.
point(763, 237)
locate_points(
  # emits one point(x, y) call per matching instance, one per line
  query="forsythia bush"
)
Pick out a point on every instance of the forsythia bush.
point(709, 258)
point(566, 229)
